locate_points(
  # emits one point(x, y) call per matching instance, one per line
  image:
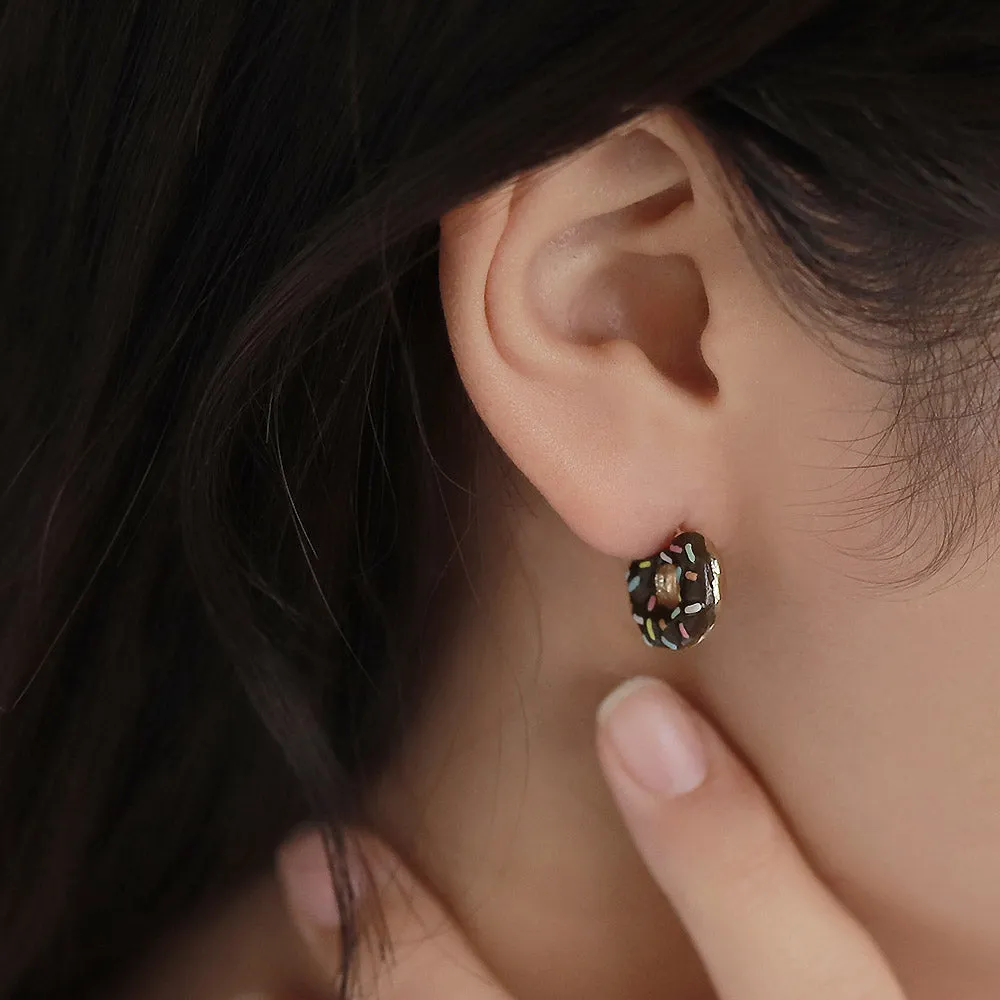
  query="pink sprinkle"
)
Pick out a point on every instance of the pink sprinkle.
point(676, 548)
point(684, 631)
point(652, 603)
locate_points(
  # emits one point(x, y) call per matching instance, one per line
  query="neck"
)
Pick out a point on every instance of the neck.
point(498, 799)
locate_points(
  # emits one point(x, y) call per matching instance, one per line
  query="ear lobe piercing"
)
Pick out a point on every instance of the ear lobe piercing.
point(674, 593)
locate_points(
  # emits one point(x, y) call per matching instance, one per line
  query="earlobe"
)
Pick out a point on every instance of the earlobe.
point(576, 306)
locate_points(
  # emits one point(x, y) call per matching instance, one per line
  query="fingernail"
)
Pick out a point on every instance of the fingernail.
point(654, 736)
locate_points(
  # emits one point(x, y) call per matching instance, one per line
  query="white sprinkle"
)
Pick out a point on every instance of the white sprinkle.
point(665, 557)
point(638, 619)
point(645, 639)
point(692, 609)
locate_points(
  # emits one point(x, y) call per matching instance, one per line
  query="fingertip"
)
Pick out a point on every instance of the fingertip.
point(617, 695)
point(303, 869)
point(654, 737)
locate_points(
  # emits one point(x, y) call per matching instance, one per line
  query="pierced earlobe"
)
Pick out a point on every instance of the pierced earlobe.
point(675, 592)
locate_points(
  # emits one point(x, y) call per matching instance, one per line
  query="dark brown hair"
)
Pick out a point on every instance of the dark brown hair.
point(230, 420)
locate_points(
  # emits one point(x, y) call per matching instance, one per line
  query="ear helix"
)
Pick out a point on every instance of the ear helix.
point(675, 592)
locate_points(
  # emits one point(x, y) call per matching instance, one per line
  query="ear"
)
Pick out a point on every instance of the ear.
point(578, 300)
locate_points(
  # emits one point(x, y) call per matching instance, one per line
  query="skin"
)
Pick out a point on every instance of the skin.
point(761, 920)
point(640, 375)
point(869, 712)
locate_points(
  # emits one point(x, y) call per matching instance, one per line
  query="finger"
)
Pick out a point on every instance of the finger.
point(429, 958)
point(763, 923)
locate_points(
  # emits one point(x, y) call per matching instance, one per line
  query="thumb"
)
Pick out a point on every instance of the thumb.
point(318, 903)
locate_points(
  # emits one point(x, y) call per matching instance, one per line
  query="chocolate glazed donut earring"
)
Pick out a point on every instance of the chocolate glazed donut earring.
point(675, 592)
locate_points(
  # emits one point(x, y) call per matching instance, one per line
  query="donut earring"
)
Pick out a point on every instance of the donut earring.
point(675, 592)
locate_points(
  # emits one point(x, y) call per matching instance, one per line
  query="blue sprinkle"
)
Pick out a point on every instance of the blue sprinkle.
point(633, 583)
point(675, 612)
point(689, 551)
point(666, 642)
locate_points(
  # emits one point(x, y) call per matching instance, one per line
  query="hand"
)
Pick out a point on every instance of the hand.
point(765, 926)
point(431, 959)
point(763, 923)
